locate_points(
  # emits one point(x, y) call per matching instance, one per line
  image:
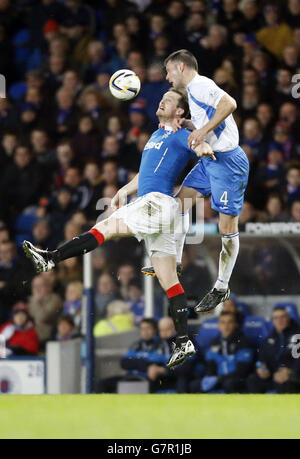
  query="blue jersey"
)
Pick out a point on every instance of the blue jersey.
point(164, 157)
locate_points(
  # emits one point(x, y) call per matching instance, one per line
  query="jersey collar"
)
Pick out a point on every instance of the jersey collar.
point(166, 127)
point(196, 77)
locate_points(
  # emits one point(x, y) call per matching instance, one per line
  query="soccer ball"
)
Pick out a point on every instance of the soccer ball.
point(124, 84)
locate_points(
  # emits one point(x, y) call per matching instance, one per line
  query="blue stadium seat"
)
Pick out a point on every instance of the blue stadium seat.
point(21, 38)
point(17, 90)
point(21, 237)
point(22, 55)
point(243, 308)
point(291, 309)
point(208, 331)
point(34, 61)
point(255, 329)
point(24, 223)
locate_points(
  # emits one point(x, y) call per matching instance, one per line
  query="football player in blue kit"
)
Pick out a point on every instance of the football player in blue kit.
point(151, 217)
point(226, 178)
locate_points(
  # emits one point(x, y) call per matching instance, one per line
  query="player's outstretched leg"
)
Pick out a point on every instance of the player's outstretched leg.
point(227, 260)
point(45, 260)
point(165, 268)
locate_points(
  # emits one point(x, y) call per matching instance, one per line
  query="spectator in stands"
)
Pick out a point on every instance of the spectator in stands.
point(45, 307)
point(295, 211)
point(4, 235)
point(276, 368)
point(118, 319)
point(19, 333)
point(265, 116)
point(142, 359)
point(65, 158)
point(136, 301)
point(66, 329)
point(251, 21)
point(195, 276)
point(231, 306)
point(251, 215)
point(270, 175)
point(41, 233)
point(105, 294)
point(275, 35)
point(86, 141)
point(22, 182)
point(229, 359)
point(125, 274)
point(70, 271)
point(79, 192)
point(213, 48)
point(293, 184)
point(60, 210)
point(154, 89)
point(15, 274)
point(66, 115)
point(73, 301)
point(252, 136)
point(7, 148)
point(275, 208)
point(291, 57)
point(293, 13)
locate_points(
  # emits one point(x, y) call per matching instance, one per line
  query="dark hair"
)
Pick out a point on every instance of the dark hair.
point(151, 322)
point(185, 56)
point(135, 283)
point(228, 313)
point(182, 102)
point(66, 318)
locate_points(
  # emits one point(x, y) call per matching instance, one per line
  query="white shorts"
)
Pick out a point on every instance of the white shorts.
point(152, 218)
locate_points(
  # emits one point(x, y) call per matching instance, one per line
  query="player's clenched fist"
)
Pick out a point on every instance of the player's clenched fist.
point(196, 137)
point(119, 200)
point(204, 150)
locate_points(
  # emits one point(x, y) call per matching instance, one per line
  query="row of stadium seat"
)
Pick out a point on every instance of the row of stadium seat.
point(255, 328)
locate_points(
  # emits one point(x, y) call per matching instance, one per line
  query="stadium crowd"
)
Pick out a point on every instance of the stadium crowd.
point(65, 142)
point(236, 354)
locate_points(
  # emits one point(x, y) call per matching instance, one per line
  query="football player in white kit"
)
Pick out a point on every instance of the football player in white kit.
point(224, 179)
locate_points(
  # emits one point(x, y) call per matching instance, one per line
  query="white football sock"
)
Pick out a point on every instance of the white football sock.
point(228, 256)
point(181, 230)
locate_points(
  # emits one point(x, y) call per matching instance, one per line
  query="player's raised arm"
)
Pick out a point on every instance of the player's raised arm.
point(120, 198)
point(225, 107)
point(183, 123)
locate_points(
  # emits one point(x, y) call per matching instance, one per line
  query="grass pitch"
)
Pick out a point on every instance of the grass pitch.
point(150, 416)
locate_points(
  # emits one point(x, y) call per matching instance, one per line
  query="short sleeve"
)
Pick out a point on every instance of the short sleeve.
point(214, 94)
point(208, 93)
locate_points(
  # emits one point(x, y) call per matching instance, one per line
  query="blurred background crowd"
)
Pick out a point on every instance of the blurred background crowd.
point(65, 142)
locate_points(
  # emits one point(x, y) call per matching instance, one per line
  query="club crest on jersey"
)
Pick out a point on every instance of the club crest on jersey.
point(156, 145)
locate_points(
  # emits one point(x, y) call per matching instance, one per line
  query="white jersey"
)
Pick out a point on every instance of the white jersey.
point(204, 96)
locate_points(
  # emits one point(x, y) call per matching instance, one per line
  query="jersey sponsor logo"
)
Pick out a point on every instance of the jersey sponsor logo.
point(156, 145)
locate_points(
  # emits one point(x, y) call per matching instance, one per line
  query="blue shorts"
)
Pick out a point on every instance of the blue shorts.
point(225, 179)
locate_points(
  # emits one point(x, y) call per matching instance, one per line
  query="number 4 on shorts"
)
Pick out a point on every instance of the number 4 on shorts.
point(224, 198)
